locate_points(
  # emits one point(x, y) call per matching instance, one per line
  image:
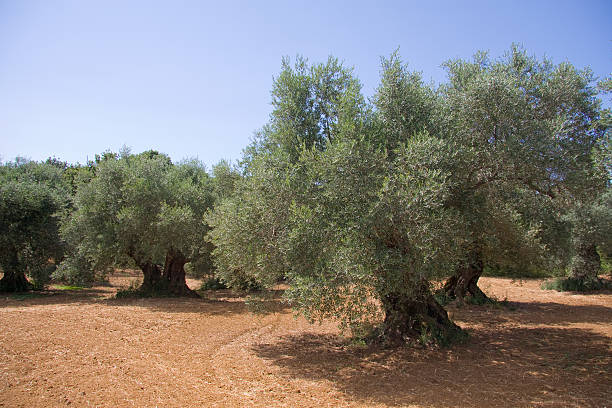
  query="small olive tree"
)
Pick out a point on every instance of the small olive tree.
point(32, 198)
point(143, 207)
point(591, 233)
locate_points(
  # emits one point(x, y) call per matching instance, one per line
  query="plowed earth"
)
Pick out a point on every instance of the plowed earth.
point(84, 348)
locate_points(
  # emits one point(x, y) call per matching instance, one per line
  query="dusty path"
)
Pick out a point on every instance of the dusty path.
point(84, 349)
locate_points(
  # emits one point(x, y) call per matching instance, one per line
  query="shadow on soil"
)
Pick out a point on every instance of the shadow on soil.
point(51, 296)
point(217, 302)
point(498, 367)
point(550, 313)
point(558, 313)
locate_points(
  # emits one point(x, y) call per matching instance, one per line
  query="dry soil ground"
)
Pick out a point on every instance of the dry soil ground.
point(84, 348)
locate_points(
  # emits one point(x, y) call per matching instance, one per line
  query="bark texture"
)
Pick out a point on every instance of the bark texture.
point(586, 265)
point(152, 281)
point(422, 319)
point(174, 274)
point(465, 280)
point(14, 279)
point(166, 280)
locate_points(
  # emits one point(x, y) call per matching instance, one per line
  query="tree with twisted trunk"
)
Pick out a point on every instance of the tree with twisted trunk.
point(528, 127)
point(146, 208)
point(358, 231)
point(361, 208)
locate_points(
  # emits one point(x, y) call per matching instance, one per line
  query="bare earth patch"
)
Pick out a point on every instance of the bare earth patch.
point(84, 348)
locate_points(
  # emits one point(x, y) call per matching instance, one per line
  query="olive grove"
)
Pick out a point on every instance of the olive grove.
point(372, 211)
point(362, 207)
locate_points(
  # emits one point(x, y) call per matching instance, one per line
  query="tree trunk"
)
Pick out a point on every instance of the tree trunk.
point(14, 282)
point(174, 274)
point(465, 280)
point(422, 319)
point(586, 264)
point(14, 279)
point(152, 282)
point(167, 281)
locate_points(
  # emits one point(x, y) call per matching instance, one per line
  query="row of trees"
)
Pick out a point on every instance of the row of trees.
point(360, 206)
point(122, 209)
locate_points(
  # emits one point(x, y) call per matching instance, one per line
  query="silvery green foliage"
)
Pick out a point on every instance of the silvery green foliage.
point(312, 104)
point(405, 105)
point(355, 204)
point(225, 178)
point(32, 198)
point(368, 227)
point(139, 206)
point(524, 122)
point(249, 227)
point(325, 205)
point(525, 130)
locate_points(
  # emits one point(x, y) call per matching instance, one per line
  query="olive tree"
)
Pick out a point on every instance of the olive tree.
point(362, 208)
point(592, 229)
point(250, 226)
point(143, 207)
point(32, 196)
point(370, 235)
point(525, 125)
point(357, 229)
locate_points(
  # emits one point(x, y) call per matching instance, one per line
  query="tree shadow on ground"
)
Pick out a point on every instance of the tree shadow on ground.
point(559, 313)
point(535, 313)
point(224, 302)
point(508, 366)
point(51, 296)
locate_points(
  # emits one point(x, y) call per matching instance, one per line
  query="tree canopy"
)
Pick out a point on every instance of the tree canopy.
point(361, 208)
point(526, 130)
point(32, 198)
point(143, 207)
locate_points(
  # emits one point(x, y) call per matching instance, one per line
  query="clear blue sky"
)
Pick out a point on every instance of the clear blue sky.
point(193, 78)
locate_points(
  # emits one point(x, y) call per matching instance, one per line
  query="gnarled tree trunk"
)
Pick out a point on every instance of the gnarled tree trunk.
point(174, 274)
point(586, 264)
point(421, 318)
point(14, 279)
point(465, 280)
point(152, 281)
point(167, 281)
